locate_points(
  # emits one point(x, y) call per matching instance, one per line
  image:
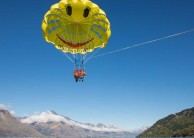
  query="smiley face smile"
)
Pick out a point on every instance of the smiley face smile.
point(74, 45)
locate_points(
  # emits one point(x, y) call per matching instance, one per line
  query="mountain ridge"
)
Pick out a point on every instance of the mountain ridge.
point(52, 116)
point(174, 125)
point(10, 126)
point(51, 124)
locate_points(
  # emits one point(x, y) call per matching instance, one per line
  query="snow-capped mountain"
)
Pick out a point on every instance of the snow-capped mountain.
point(51, 124)
point(52, 116)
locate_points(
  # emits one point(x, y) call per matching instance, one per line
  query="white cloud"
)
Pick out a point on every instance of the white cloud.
point(8, 108)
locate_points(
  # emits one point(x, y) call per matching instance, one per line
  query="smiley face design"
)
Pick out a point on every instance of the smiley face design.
point(76, 26)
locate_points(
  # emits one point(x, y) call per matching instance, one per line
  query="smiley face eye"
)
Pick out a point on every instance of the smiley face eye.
point(69, 10)
point(86, 12)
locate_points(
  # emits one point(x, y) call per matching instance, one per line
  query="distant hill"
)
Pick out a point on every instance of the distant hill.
point(54, 125)
point(176, 125)
point(11, 127)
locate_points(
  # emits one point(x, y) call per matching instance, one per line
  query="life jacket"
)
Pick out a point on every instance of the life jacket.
point(76, 72)
point(82, 72)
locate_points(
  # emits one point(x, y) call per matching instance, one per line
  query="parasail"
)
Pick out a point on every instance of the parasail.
point(77, 28)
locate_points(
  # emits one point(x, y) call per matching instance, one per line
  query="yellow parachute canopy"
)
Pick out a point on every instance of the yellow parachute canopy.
point(76, 26)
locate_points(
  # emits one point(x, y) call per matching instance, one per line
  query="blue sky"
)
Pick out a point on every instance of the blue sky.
point(130, 89)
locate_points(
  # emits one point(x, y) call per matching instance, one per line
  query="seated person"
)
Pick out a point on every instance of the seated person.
point(82, 74)
point(76, 75)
